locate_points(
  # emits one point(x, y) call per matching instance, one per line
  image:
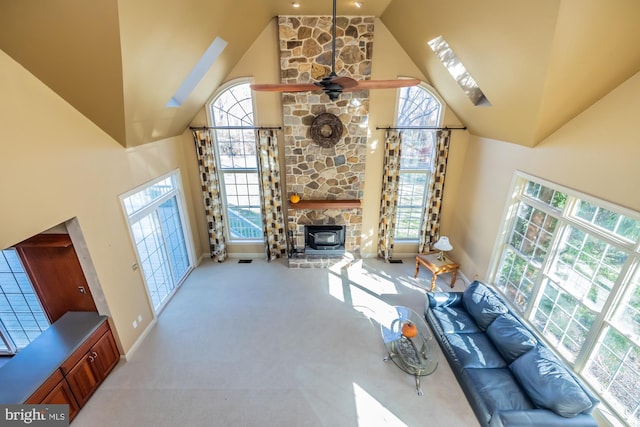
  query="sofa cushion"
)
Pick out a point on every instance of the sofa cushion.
point(455, 320)
point(475, 351)
point(510, 337)
point(497, 390)
point(549, 384)
point(482, 304)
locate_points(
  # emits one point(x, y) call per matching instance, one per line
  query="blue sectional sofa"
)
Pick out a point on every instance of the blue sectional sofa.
point(509, 376)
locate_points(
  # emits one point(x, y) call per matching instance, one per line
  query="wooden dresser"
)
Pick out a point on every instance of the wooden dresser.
point(64, 365)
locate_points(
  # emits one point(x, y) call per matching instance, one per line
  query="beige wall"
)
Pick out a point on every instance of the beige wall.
point(56, 165)
point(596, 153)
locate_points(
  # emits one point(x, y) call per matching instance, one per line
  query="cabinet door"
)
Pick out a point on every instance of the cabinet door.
point(54, 269)
point(61, 394)
point(83, 380)
point(105, 356)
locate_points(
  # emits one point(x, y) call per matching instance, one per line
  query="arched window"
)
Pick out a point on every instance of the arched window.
point(231, 114)
point(417, 107)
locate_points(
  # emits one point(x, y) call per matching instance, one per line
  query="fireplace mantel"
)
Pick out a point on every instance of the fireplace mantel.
point(325, 204)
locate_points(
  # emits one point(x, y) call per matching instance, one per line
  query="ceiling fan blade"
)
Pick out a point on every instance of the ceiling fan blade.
point(294, 87)
point(345, 82)
point(383, 84)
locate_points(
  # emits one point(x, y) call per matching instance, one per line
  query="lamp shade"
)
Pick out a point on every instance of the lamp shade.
point(443, 244)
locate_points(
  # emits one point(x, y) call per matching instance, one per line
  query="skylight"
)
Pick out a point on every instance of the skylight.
point(197, 73)
point(458, 71)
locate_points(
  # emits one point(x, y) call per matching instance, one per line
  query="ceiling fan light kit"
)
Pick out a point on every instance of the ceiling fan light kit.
point(333, 85)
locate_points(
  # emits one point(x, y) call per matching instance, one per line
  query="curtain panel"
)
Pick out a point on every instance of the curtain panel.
point(389, 198)
point(431, 224)
point(271, 200)
point(210, 184)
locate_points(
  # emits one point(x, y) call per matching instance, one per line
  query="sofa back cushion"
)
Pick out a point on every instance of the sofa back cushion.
point(549, 384)
point(482, 304)
point(510, 337)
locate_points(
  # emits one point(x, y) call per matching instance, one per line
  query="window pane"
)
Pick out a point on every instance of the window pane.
point(147, 236)
point(532, 233)
point(563, 319)
point(620, 225)
point(237, 149)
point(615, 372)
point(20, 310)
point(587, 266)
point(417, 149)
point(418, 108)
point(411, 199)
point(173, 235)
point(546, 195)
point(146, 196)
point(516, 278)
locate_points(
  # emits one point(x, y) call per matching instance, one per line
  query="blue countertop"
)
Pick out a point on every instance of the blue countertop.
point(21, 376)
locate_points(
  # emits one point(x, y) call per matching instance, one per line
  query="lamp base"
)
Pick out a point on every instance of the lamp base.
point(440, 256)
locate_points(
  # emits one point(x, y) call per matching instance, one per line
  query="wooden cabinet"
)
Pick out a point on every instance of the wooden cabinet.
point(62, 394)
point(56, 390)
point(92, 368)
point(81, 373)
point(54, 269)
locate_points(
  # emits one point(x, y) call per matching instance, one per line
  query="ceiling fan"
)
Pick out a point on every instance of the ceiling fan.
point(333, 85)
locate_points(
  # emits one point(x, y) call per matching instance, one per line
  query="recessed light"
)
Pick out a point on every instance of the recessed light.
point(295, 4)
point(358, 4)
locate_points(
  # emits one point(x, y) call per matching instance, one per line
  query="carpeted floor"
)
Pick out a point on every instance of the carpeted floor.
point(260, 344)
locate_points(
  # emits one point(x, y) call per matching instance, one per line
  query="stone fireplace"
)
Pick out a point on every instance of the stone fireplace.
point(329, 180)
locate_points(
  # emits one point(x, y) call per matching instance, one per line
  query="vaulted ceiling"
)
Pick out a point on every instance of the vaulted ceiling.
point(539, 63)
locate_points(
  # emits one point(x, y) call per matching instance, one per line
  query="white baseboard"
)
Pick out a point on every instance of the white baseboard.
point(141, 338)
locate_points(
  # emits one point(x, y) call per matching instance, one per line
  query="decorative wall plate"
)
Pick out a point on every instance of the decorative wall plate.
point(326, 130)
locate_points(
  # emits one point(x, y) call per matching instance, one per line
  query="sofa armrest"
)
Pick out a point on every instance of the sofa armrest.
point(443, 299)
point(539, 418)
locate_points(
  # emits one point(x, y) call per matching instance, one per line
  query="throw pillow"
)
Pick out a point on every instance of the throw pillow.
point(549, 384)
point(482, 304)
point(510, 337)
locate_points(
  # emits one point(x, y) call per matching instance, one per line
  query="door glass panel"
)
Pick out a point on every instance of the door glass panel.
point(147, 236)
point(172, 231)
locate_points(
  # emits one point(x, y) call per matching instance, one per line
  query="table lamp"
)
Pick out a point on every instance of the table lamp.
point(442, 245)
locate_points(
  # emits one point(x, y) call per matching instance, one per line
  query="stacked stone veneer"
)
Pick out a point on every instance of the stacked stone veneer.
point(313, 172)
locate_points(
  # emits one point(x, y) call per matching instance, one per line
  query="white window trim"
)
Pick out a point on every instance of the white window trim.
point(441, 113)
point(627, 271)
point(221, 89)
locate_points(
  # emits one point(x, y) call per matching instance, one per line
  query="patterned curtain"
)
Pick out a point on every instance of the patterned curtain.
point(389, 200)
point(431, 225)
point(211, 193)
point(271, 200)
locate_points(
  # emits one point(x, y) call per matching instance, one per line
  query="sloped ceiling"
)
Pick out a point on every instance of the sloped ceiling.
point(119, 62)
point(540, 63)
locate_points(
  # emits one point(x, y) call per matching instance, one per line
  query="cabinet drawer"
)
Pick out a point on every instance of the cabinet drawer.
point(77, 355)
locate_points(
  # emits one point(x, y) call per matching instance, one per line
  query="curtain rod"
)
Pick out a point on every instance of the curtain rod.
point(236, 127)
point(421, 128)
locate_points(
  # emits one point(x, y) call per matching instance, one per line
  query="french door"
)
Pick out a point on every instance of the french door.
point(157, 225)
